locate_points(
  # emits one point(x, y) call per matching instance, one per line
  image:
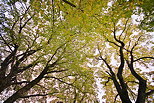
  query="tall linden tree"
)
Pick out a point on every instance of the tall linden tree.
point(44, 49)
point(125, 54)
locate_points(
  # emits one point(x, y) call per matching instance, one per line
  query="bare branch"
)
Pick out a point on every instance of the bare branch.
point(5, 42)
point(109, 73)
point(150, 92)
point(97, 19)
point(134, 73)
point(124, 28)
point(105, 61)
point(25, 12)
point(114, 33)
point(20, 92)
point(69, 3)
point(57, 71)
point(57, 51)
point(9, 57)
point(143, 58)
point(43, 86)
point(59, 79)
point(132, 82)
point(15, 83)
point(107, 81)
point(117, 45)
point(113, 43)
point(115, 98)
point(128, 27)
point(7, 61)
point(18, 62)
point(22, 26)
point(34, 95)
point(27, 67)
point(132, 93)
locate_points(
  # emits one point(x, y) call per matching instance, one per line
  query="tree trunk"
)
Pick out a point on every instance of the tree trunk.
point(20, 93)
point(122, 92)
point(141, 92)
point(125, 98)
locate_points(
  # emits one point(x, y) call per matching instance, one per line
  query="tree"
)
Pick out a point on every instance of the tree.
point(124, 57)
point(120, 75)
point(46, 46)
point(41, 49)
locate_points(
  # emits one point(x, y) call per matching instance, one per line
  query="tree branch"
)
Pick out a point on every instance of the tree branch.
point(107, 81)
point(34, 95)
point(124, 28)
point(150, 92)
point(115, 98)
point(114, 33)
point(122, 90)
point(143, 58)
point(142, 82)
point(113, 43)
point(22, 26)
point(6, 42)
point(20, 93)
point(59, 79)
point(6, 62)
point(20, 82)
point(26, 67)
point(14, 68)
point(108, 66)
point(69, 3)
point(57, 71)
point(43, 87)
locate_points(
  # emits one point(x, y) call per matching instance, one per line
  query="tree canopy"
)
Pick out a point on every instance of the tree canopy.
point(51, 50)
